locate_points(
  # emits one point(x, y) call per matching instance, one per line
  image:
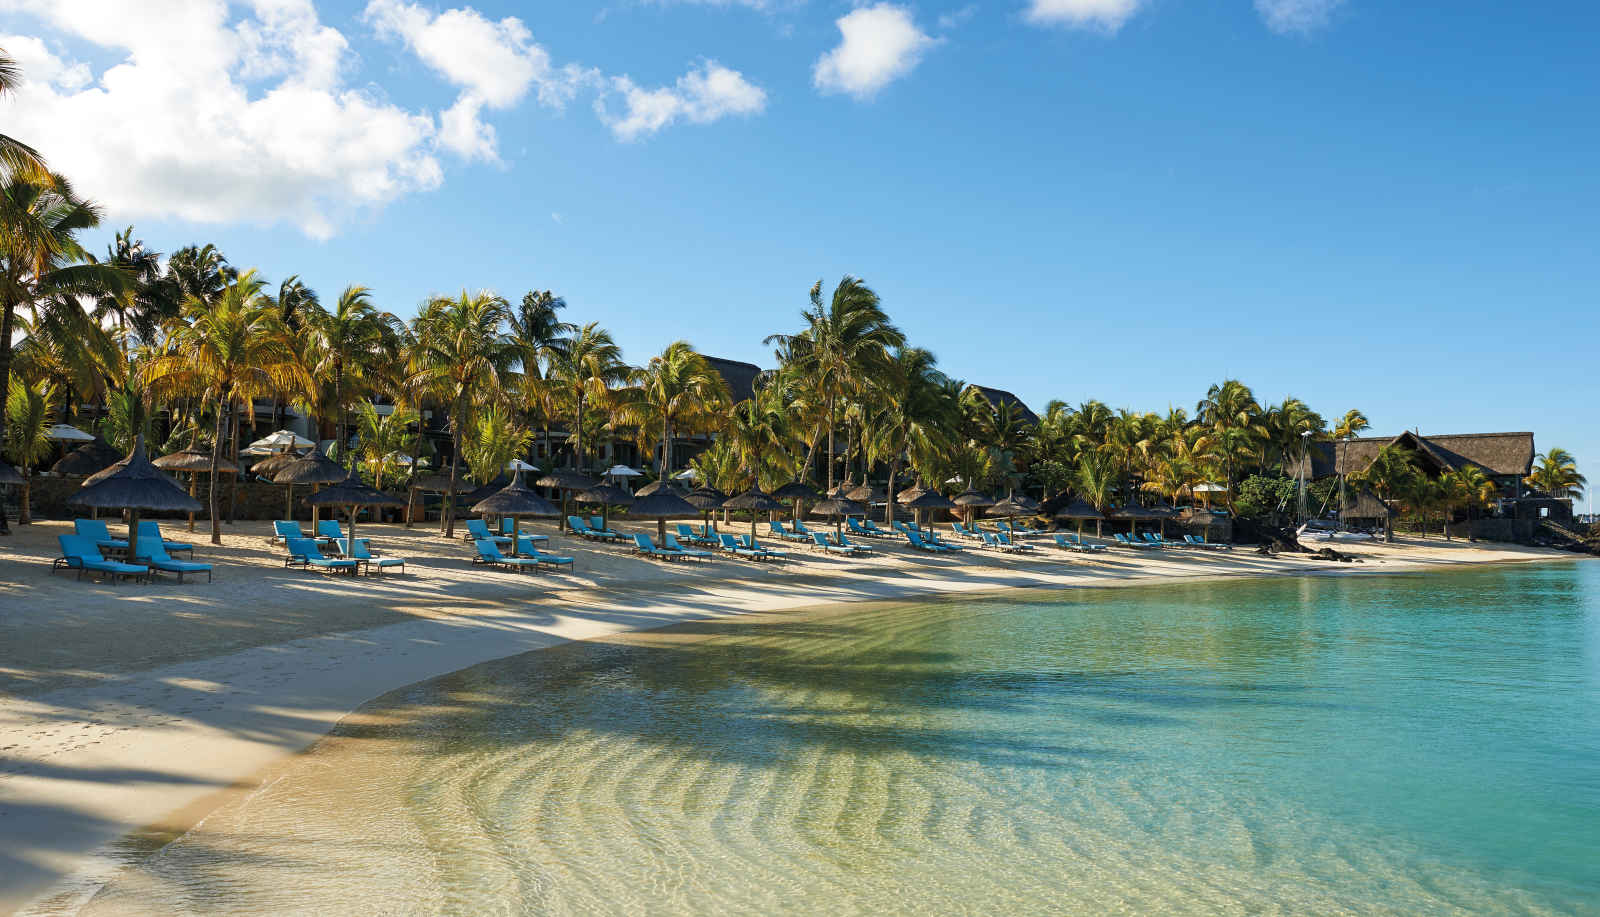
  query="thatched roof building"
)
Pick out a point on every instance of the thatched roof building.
point(740, 376)
point(999, 396)
point(1506, 457)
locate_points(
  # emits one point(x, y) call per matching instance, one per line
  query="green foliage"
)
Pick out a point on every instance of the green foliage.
point(1261, 496)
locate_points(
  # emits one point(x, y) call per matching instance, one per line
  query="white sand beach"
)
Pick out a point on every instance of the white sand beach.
point(126, 707)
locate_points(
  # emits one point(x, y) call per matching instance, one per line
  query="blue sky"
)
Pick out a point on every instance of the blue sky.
point(1389, 206)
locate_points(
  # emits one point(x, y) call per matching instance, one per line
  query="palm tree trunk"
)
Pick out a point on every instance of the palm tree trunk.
point(416, 456)
point(450, 498)
point(24, 516)
point(7, 315)
point(233, 480)
point(211, 495)
point(666, 448)
point(830, 442)
point(888, 503)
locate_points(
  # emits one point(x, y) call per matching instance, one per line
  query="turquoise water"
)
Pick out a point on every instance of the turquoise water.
point(1417, 744)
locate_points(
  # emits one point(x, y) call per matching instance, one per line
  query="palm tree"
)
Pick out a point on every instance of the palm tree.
point(233, 348)
point(354, 335)
point(381, 436)
point(677, 390)
point(756, 436)
point(1130, 440)
point(1556, 474)
point(843, 344)
point(493, 439)
point(537, 331)
point(589, 367)
point(461, 352)
point(16, 157)
point(41, 262)
point(1096, 480)
point(1351, 425)
point(1469, 488)
point(1391, 475)
point(29, 410)
point(913, 419)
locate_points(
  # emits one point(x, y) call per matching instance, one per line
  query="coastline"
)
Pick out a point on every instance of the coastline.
point(89, 764)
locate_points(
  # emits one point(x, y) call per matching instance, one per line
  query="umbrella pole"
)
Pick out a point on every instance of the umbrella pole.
point(661, 530)
point(193, 477)
point(516, 535)
point(288, 503)
point(133, 535)
point(352, 543)
point(314, 489)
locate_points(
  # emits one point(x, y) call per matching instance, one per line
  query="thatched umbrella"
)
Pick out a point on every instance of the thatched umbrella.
point(706, 499)
point(137, 485)
point(351, 493)
point(193, 460)
point(1008, 508)
point(605, 496)
point(837, 508)
point(663, 503)
point(973, 500)
point(565, 480)
point(515, 500)
point(87, 459)
point(796, 491)
point(842, 488)
point(1081, 510)
point(274, 463)
point(867, 493)
point(315, 469)
point(929, 500)
point(9, 475)
point(483, 492)
point(755, 500)
point(1133, 512)
point(433, 484)
point(655, 487)
point(1162, 513)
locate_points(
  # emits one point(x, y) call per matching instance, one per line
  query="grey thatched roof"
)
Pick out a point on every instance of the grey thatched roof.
point(105, 472)
point(910, 493)
point(655, 487)
point(974, 498)
point(565, 479)
point(193, 459)
point(1135, 511)
point(485, 491)
point(867, 493)
point(87, 459)
point(1362, 503)
point(315, 468)
point(352, 491)
point(438, 484)
point(931, 500)
point(274, 463)
point(998, 396)
point(516, 499)
point(661, 504)
point(608, 494)
point(755, 499)
point(838, 506)
point(9, 475)
point(706, 498)
point(1009, 507)
point(1078, 509)
point(796, 490)
point(1498, 454)
point(137, 485)
point(739, 376)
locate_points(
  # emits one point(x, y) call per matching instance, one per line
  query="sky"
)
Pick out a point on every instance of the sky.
point(1389, 206)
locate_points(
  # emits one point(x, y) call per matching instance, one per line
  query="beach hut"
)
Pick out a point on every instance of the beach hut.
point(605, 496)
point(756, 501)
point(136, 486)
point(352, 493)
point(837, 508)
point(660, 505)
point(706, 499)
point(314, 469)
point(193, 460)
point(515, 500)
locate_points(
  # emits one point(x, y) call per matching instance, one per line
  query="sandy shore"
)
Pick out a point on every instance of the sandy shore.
point(122, 706)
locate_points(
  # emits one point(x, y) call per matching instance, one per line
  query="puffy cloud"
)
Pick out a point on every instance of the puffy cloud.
point(213, 120)
point(493, 63)
point(706, 93)
point(1285, 16)
point(878, 45)
point(1102, 14)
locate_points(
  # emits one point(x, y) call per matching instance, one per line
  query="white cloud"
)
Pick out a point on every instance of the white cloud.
point(879, 44)
point(704, 94)
point(1285, 16)
point(209, 119)
point(1101, 14)
point(953, 18)
point(493, 63)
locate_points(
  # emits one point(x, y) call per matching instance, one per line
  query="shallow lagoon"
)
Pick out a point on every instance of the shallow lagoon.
point(1416, 744)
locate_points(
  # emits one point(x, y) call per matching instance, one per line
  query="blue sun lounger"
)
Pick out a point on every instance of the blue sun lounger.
point(671, 544)
point(644, 544)
point(524, 546)
point(154, 553)
point(777, 529)
point(820, 539)
point(80, 553)
point(478, 530)
point(361, 553)
point(303, 552)
point(489, 555)
point(149, 528)
point(95, 529)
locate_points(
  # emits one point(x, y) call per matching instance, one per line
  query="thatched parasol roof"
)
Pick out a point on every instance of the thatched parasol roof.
point(9, 475)
point(706, 498)
point(440, 484)
point(655, 487)
point(867, 493)
point(607, 494)
point(843, 488)
point(565, 479)
point(87, 459)
point(755, 499)
point(193, 459)
point(1363, 503)
point(834, 507)
point(910, 493)
point(973, 498)
point(105, 472)
point(931, 500)
point(137, 485)
point(274, 463)
point(661, 504)
point(516, 499)
point(796, 490)
point(1135, 511)
point(488, 490)
point(352, 491)
point(1078, 509)
point(315, 468)
point(1009, 507)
